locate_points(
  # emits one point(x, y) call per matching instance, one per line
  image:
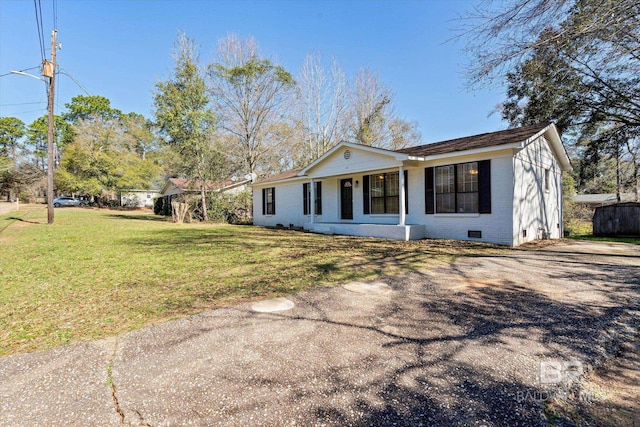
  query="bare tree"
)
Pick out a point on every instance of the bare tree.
point(322, 106)
point(501, 34)
point(575, 62)
point(250, 95)
point(373, 119)
point(403, 133)
point(370, 99)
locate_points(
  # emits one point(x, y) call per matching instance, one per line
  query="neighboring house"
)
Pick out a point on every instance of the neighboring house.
point(177, 186)
point(594, 200)
point(138, 198)
point(503, 187)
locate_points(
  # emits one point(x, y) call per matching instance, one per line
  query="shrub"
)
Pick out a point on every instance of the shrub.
point(159, 207)
point(229, 208)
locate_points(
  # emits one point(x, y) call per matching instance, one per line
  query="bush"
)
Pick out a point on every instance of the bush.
point(229, 208)
point(159, 207)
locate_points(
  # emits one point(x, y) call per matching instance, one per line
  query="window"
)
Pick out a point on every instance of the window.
point(459, 188)
point(381, 193)
point(467, 188)
point(384, 193)
point(547, 177)
point(445, 189)
point(269, 201)
point(306, 198)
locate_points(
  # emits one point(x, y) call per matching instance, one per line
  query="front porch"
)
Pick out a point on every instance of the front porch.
point(386, 231)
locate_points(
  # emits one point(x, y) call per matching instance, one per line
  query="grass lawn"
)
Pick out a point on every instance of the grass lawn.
point(632, 240)
point(97, 273)
point(583, 230)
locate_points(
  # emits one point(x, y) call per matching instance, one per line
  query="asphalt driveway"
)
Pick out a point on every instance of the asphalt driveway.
point(472, 343)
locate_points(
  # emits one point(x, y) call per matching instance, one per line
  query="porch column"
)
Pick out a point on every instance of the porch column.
point(401, 200)
point(312, 202)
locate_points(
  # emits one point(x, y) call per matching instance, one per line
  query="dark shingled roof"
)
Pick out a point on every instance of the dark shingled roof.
point(491, 139)
point(485, 140)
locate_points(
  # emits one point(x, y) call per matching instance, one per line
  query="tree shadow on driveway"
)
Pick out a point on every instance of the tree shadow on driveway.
point(459, 345)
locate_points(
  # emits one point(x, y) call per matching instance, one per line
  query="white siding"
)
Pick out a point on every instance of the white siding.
point(496, 227)
point(535, 209)
point(138, 199)
point(289, 209)
point(518, 197)
point(360, 161)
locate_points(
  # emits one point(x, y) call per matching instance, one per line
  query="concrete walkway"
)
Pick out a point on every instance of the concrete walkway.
point(6, 207)
point(460, 345)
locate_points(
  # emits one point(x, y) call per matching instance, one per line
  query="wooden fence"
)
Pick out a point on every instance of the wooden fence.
point(622, 219)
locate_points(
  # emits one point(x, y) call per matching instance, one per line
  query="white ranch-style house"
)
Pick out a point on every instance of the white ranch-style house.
point(502, 187)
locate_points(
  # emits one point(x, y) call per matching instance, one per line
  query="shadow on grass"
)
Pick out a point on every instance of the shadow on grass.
point(139, 217)
point(15, 218)
point(292, 248)
point(10, 220)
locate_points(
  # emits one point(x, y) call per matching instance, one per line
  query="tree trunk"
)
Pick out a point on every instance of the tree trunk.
point(618, 172)
point(179, 211)
point(205, 216)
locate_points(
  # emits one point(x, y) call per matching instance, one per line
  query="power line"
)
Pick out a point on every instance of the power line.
point(44, 50)
point(66, 73)
point(30, 111)
point(23, 103)
point(26, 69)
point(39, 26)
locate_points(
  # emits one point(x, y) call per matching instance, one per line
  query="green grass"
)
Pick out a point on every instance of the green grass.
point(632, 240)
point(583, 230)
point(578, 227)
point(97, 273)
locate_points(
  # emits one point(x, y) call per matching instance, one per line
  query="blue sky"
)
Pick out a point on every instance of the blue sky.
point(119, 49)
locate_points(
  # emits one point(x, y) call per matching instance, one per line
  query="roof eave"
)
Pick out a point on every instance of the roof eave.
point(277, 181)
point(561, 151)
point(471, 152)
point(234, 185)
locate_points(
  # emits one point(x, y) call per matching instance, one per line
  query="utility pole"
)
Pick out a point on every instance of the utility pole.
point(49, 70)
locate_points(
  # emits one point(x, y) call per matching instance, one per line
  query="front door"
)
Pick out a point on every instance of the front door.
point(346, 198)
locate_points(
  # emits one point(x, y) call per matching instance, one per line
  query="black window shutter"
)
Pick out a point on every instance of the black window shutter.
point(429, 191)
point(365, 194)
point(484, 186)
point(305, 198)
point(406, 192)
point(273, 199)
point(264, 201)
point(318, 198)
